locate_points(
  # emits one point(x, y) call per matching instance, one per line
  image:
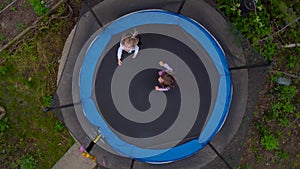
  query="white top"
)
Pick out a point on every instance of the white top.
point(121, 48)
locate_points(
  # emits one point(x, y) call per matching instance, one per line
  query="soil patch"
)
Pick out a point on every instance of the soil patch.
point(17, 17)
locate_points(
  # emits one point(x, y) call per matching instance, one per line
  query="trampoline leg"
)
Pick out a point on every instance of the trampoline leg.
point(132, 163)
point(92, 143)
point(89, 148)
point(219, 155)
point(93, 13)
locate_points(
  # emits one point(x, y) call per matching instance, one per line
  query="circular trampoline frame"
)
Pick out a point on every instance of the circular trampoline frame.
point(204, 38)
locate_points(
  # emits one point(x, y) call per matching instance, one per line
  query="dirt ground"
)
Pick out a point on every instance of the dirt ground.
point(15, 19)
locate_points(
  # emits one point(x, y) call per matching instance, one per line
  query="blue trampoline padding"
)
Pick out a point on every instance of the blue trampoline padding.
point(212, 47)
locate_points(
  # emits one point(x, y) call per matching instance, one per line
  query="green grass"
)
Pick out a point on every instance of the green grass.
point(21, 26)
point(28, 162)
point(13, 9)
point(32, 138)
point(2, 37)
point(1, 7)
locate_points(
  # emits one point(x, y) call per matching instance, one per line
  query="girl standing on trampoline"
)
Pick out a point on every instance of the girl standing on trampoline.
point(129, 43)
point(165, 78)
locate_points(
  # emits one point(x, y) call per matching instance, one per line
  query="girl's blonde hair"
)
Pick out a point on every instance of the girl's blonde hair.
point(130, 38)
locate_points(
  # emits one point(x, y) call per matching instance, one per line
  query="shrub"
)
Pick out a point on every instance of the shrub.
point(269, 142)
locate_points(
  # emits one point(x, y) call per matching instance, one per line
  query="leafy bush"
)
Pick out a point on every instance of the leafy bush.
point(39, 6)
point(2, 37)
point(269, 142)
point(4, 124)
point(283, 122)
point(28, 162)
point(59, 126)
point(282, 154)
point(287, 93)
point(3, 70)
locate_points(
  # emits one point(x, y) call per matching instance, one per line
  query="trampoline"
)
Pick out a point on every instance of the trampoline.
point(136, 121)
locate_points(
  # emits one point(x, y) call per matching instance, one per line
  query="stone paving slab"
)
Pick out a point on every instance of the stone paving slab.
point(74, 160)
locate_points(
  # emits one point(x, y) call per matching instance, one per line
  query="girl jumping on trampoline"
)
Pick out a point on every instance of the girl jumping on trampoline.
point(165, 78)
point(129, 43)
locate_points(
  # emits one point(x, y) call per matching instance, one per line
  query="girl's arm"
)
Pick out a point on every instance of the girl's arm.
point(162, 89)
point(136, 51)
point(119, 54)
point(166, 66)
